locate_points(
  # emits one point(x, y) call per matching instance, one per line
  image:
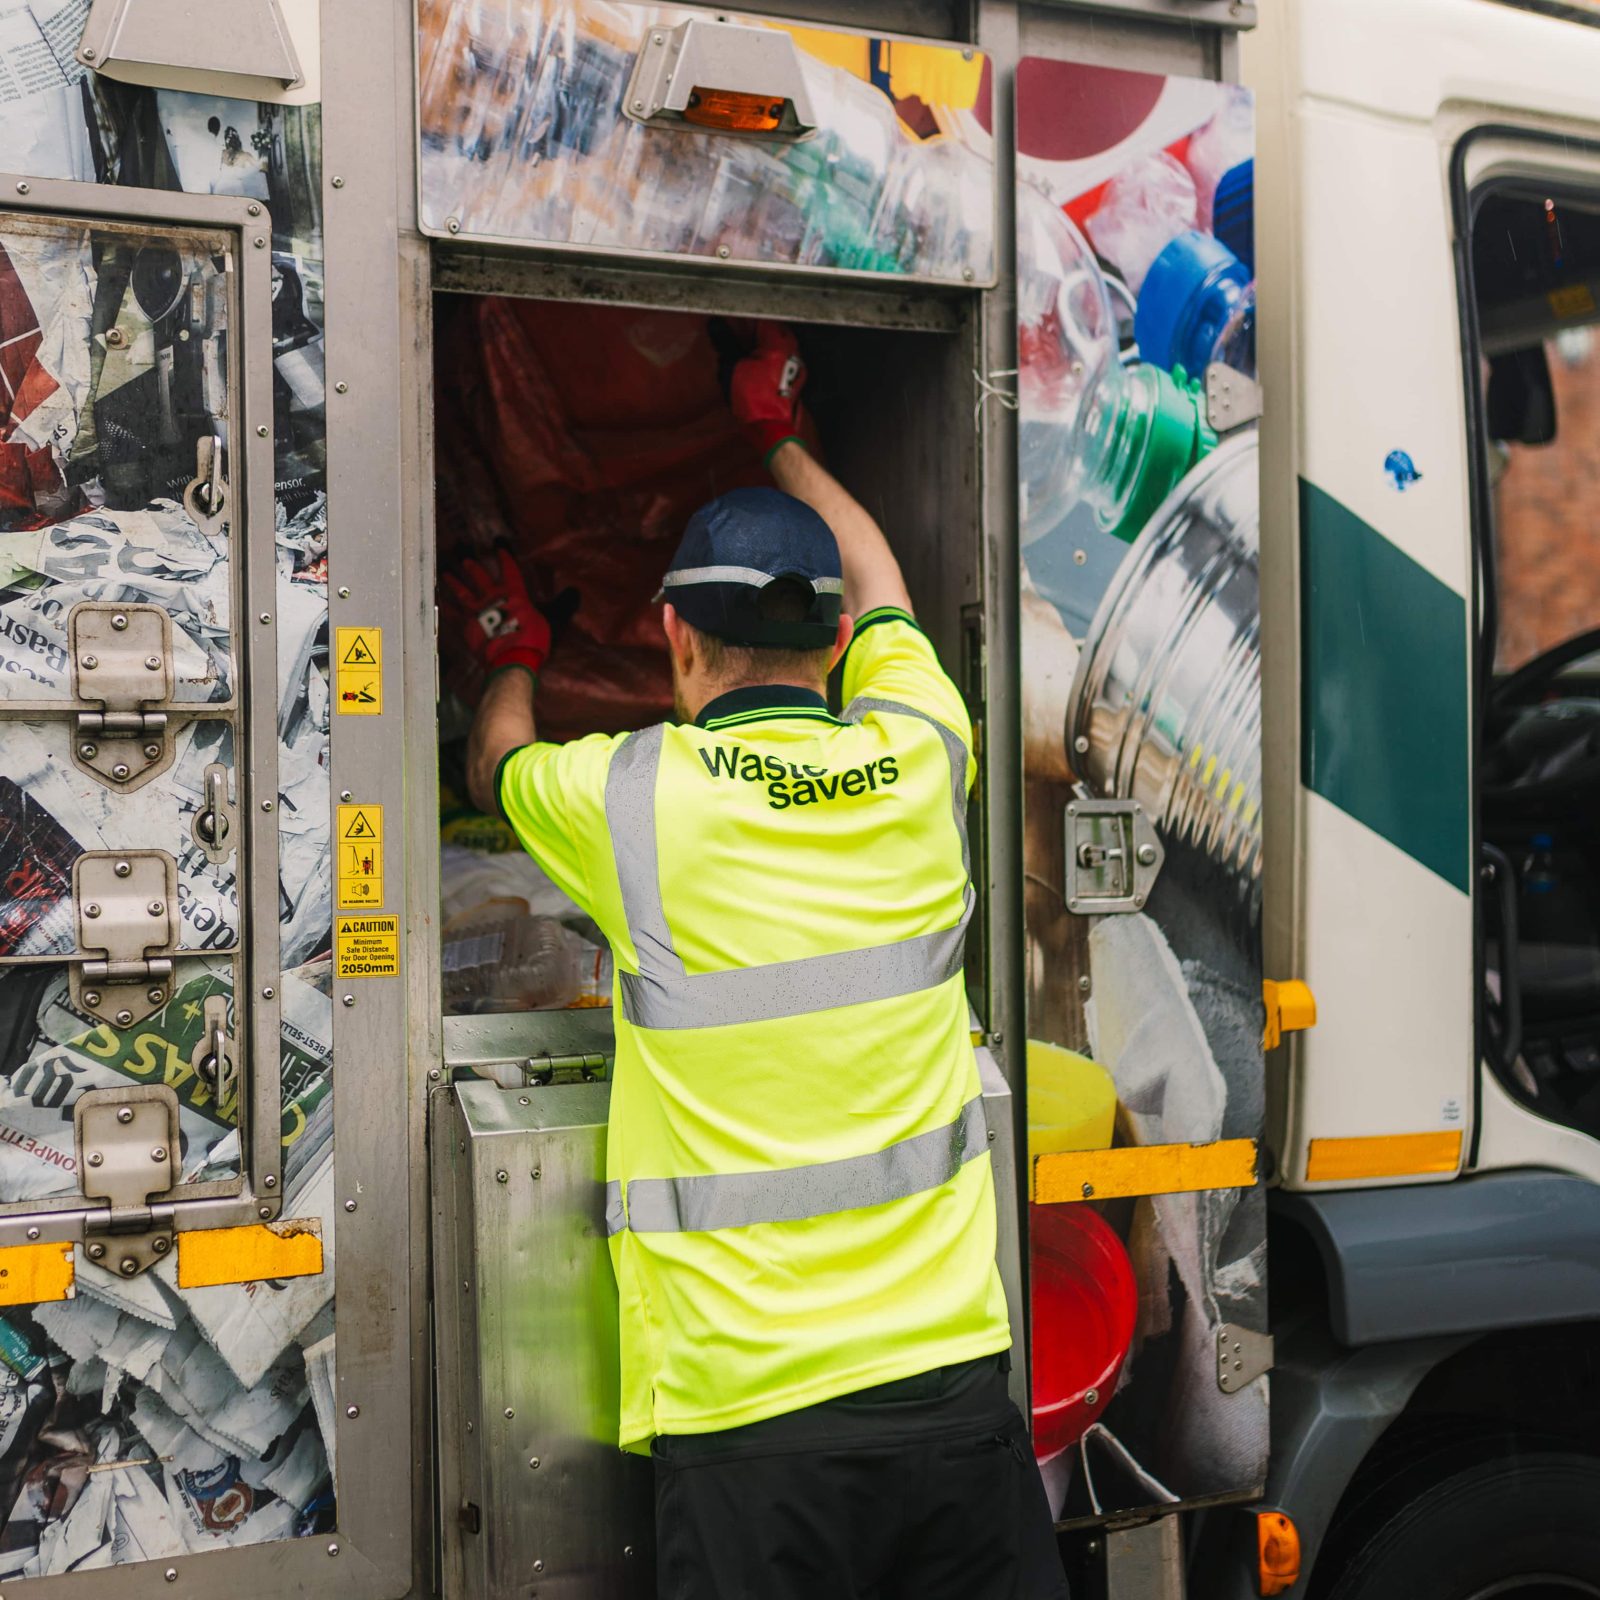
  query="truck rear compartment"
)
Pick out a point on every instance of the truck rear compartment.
point(579, 438)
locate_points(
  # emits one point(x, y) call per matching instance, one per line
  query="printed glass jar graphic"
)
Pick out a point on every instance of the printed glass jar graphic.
point(1117, 437)
point(1165, 706)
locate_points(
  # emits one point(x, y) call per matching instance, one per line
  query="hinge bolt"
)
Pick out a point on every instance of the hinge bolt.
point(254, 209)
point(338, 182)
point(90, 663)
point(152, 663)
point(152, 752)
point(161, 1246)
point(341, 388)
point(88, 751)
point(125, 1114)
point(538, 1566)
point(119, 622)
point(91, 997)
point(269, 1182)
point(156, 907)
point(96, 1252)
point(91, 910)
point(120, 771)
point(33, 1233)
point(352, 1412)
point(266, 616)
point(159, 1153)
point(23, 188)
point(127, 1266)
point(259, 242)
point(264, 1212)
point(533, 1461)
point(266, 805)
point(124, 1018)
point(267, 992)
point(123, 869)
point(502, 1176)
point(349, 1205)
point(1088, 1191)
point(262, 431)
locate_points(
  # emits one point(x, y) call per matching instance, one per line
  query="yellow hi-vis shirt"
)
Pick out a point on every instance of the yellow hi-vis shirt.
point(800, 1196)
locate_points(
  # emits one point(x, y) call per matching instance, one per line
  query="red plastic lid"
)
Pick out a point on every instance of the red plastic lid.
point(1085, 1302)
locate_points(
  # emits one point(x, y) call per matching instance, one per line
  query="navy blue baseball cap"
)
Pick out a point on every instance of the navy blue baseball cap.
point(734, 548)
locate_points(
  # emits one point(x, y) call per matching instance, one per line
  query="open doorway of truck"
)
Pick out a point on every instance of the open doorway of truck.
point(1535, 273)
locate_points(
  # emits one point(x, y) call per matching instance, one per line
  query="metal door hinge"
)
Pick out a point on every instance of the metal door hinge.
point(1242, 1356)
point(547, 1069)
point(1232, 397)
point(1113, 856)
point(127, 1150)
point(125, 905)
point(122, 659)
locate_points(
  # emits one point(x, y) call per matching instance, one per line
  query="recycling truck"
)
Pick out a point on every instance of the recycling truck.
point(1226, 380)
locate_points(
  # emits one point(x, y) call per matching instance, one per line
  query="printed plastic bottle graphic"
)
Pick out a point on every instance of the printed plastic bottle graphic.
point(1196, 297)
point(1220, 145)
point(1091, 429)
point(1165, 708)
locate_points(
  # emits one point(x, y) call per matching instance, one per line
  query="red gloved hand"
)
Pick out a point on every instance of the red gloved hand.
point(765, 389)
point(504, 627)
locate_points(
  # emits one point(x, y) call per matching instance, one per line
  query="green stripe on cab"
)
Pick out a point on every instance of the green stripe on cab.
point(1383, 688)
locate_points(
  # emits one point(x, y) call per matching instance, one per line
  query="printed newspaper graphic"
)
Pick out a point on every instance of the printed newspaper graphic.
point(140, 1421)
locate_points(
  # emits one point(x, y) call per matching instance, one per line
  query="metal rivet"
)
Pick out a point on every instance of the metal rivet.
point(159, 1153)
point(638, 105)
point(341, 388)
point(120, 771)
point(155, 908)
point(533, 1461)
point(124, 1018)
point(1080, 744)
point(262, 431)
point(333, 1549)
point(502, 1176)
point(123, 869)
point(33, 1233)
point(997, 1037)
point(338, 182)
point(968, 274)
point(127, 1266)
point(1088, 1191)
point(434, 1074)
point(1138, 899)
point(1091, 1397)
point(88, 751)
point(344, 591)
point(171, 1574)
point(266, 805)
point(264, 1212)
point(469, 1427)
point(116, 338)
point(259, 242)
point(538, 1566)
point(119, 622)
point(269, 1182)
point(535, 1172)
point(523, 1100)
point(627, 1550)
point(349, 1205)
point(90, 663)
point(254, 208)
point(96, 1252)
point(1084, 984)
point(266, 616)
point(91, 910)
point(161, 1246)
point(125, 1114)
point(152, 663)
point(152, 752)
point(991, 1136)
point(88, 55)
point(1145, 854)
point(267, 991)
point(22, 188)
point(344, 794)
point(91, 997)
point(352, 1412)
point(1079, 557)
point(509, 1413)
point(349, 999)
point(453, 225)
point(723, 251)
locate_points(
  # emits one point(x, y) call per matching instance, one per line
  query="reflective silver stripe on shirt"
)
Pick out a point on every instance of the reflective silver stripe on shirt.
point(792, 1194)
point(664, 995)
point(753, 576)
point(616, 1217)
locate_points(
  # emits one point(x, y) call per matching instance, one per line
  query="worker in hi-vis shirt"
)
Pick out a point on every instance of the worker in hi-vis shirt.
point(800, 1196)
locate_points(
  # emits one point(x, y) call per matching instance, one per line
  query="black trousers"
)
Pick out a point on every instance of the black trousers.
point(922, 1490)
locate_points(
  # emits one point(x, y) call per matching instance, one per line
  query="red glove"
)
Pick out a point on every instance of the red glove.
point(765, 389)
point(504, 627)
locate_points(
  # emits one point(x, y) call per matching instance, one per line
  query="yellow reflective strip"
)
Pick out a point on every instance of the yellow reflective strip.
point(1382, 1155)
point(209, 1256)
point(1143, 1169)
point(31, 1273)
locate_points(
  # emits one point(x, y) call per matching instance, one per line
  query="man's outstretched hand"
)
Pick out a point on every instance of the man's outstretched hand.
point(764, 387)
point(504, 628)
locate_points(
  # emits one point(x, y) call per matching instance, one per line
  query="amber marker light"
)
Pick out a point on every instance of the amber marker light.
point(733, 110)
point(1277, 1552)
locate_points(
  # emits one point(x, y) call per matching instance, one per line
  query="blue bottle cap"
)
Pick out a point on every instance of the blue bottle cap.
point(1233, 211)
point(1190, 293)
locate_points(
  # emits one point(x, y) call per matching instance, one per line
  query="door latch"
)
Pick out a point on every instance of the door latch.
point(127, 1149)
point(213, 1056)
point(122, 659)
point(1113, 856)
point(206, 494)
point(213, 822)
point(125, 905)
